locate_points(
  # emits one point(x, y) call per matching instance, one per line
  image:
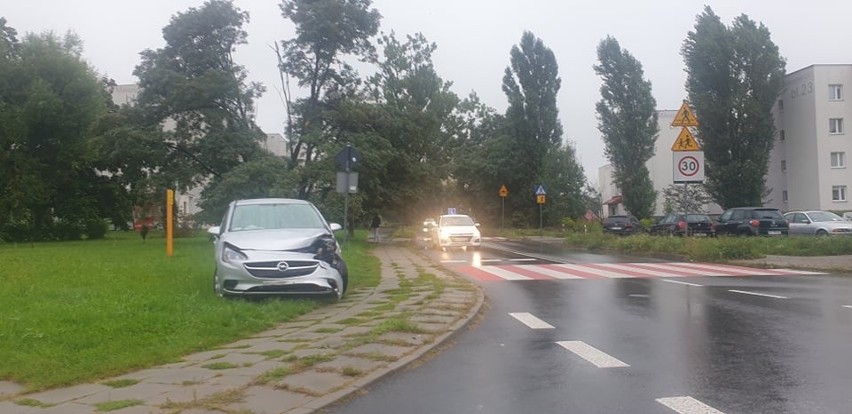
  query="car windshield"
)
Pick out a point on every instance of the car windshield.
point(275, 216)
point(457, 221)
point(820, 216)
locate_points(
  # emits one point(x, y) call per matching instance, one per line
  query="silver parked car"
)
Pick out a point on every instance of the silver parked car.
point(276, 246)
point(817, 222)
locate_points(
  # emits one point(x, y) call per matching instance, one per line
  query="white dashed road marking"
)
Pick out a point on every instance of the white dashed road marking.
point(682, 283)
point(847, 306)
point(758, 294)
point(688, 405)
point(529, 320)
point(597, 357)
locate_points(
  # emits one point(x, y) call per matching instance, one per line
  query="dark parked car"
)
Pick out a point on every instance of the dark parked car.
point(752, 221)
point(622, 225)
point(684, 224)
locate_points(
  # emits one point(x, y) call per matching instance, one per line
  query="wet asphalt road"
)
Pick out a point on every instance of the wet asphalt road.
point(712, 343)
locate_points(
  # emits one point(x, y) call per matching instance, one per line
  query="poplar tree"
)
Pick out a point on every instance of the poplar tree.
point(627, 119)
point(734, 76)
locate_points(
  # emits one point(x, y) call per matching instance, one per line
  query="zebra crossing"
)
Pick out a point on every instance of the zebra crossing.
point(524, 272)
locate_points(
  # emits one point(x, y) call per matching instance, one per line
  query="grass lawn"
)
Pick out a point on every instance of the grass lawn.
point(73, 312)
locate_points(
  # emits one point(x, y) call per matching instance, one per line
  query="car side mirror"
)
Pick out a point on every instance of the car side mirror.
point(335, 226)
point(213, 232)
point(477, 224)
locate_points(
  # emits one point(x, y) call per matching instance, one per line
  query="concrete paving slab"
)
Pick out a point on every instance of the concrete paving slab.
point(270, 346)
point(314, 383)
point(141, 391)
point(393, 351)
point(267, 400)
point(61, 395)
point(405, 339)
point(187, 394)
point(9, 407)
point(239, 359)
point(68, 408)
point(8, 388)
point(353, 365)
point(179, 376)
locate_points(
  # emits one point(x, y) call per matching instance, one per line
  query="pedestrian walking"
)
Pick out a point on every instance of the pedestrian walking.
point(374, 228)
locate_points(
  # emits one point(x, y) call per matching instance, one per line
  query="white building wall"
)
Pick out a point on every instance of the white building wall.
point(802, 116)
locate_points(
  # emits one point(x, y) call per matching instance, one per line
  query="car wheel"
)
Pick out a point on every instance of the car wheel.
point(821, 232)
point(344, 274)
point(217, 287)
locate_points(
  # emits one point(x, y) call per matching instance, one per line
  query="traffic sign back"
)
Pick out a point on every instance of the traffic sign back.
point(685, 142)
point(685, 117)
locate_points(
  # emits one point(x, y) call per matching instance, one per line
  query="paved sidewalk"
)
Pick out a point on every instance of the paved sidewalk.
point(825, 263)
point(298, 367)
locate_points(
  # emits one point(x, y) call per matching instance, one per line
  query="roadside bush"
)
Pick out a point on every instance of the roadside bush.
point(66, 230)
point(96, 229)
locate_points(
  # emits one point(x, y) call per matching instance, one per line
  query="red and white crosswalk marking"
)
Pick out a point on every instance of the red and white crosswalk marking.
point(618, 271)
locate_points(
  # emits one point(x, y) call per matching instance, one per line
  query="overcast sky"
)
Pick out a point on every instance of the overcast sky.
point(474, 38)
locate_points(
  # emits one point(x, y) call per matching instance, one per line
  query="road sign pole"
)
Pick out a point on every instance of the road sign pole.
point(502, 212)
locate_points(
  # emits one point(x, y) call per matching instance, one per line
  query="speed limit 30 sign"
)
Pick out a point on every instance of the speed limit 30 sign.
point(688, 166)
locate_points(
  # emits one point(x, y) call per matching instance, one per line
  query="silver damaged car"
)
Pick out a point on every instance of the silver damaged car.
point(277, 246)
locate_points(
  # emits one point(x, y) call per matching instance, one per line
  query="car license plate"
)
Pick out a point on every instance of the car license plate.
point(700, 234)
point(774, 232)
point(616, 228)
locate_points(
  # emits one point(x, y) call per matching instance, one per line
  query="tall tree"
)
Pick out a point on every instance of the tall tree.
point(531, 83)
point(627, 119)
point(49, 101)
point(417, 111)
point(734, 76)
point(194, 87)
point(326, 31)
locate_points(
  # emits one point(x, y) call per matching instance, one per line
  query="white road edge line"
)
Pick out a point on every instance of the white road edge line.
point(529, 320)
point(597, 357)
point(688, 405)
point(681, 283)
point(758, 294)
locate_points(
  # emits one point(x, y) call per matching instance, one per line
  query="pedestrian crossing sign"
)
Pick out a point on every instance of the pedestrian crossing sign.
point(685, 117)
point(539, 190)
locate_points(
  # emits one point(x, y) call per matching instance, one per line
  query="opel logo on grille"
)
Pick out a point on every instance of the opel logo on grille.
point(283, 266)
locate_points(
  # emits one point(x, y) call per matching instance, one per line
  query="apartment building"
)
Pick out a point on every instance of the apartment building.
point(809, 163)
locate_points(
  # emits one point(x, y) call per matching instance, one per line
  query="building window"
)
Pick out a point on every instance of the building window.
point(780, 104)
point(782, 135)
point(783, 165)
point(835, 126)
point(838, 193)
point(838, 160)
point(784, 195)
point(835, 92)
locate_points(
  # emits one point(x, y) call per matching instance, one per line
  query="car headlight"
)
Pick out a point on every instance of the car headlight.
point(233, 255)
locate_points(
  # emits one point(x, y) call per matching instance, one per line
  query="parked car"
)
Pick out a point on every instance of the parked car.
point(684, 224)
point(277, 246)
point(622, 225)
point(456, 230)
point(818, 222)
point(752, 221)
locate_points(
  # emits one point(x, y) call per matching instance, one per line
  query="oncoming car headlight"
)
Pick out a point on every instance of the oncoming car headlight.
point(232, 255)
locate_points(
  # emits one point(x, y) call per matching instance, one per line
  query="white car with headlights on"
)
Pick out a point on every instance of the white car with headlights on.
point(277, 246)
point(456, 230)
